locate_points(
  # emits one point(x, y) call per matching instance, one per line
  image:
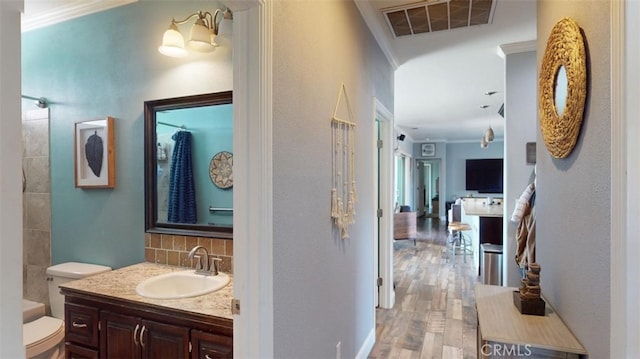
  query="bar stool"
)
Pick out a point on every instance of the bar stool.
point(459, 243)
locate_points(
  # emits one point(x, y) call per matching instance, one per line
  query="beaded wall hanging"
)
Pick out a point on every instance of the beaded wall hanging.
point(343, 193)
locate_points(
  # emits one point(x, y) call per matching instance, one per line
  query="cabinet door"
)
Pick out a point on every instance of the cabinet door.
point(210, 346)
point(119, 336)
point(159, 340)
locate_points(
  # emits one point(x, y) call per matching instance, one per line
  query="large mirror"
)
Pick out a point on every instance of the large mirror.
point(188, 165)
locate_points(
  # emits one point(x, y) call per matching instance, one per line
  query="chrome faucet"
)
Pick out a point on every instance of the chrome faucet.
point(201, 268)
point(207, 265)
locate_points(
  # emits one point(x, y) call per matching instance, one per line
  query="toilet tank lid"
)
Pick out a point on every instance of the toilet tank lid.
point(76, 270)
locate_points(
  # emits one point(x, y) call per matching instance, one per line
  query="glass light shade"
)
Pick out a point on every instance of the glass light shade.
point(172, 43)
point(488, 135)
point(483, 142)
point(200, 38)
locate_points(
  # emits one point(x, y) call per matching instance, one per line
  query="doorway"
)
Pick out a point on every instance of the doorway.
point(384, 186)
point(428, 188)
point(402, 179)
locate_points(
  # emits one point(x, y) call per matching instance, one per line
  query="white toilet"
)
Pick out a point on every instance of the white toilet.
point(43, 336)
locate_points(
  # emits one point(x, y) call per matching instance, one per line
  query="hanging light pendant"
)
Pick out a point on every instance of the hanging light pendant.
point(488, 135)
point(483, 142)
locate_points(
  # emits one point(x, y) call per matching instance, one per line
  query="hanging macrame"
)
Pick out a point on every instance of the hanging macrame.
point(343, 193)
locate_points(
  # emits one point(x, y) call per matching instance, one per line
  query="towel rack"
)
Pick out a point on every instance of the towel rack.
point(213, 209)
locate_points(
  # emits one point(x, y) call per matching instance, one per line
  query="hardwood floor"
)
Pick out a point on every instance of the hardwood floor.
point(434, 315)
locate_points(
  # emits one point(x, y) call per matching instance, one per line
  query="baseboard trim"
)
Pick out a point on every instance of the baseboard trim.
point(366, 347)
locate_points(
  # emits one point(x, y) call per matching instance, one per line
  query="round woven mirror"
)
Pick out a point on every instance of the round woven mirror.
point(561, 109)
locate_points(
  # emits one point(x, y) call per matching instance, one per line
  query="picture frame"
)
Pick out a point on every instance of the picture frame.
point(428, 149)
point(94, 159)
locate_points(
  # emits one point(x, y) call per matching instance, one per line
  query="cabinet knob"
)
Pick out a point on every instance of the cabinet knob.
point(79, 325)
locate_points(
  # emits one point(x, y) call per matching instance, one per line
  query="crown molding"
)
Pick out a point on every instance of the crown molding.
point(516, 48)
point(68, 11)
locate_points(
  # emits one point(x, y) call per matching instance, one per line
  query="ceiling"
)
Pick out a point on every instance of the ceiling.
point(443, 70)
point(442, 75)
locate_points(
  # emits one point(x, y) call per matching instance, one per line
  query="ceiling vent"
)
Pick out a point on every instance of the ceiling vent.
point(438, 15)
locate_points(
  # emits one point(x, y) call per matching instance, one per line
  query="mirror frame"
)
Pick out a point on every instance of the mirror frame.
point(565, 47)
point(151, 108)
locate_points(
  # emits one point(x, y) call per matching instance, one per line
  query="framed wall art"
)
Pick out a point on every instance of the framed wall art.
point(94, 154)
point(428, 149)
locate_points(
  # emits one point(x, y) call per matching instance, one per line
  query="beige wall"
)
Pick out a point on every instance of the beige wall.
point(573, 194)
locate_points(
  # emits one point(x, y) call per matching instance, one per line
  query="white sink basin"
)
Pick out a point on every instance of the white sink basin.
point(183, 284)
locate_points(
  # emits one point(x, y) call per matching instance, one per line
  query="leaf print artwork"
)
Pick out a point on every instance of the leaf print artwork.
point(93, 150)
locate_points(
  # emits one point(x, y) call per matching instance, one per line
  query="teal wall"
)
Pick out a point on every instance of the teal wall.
point(107, 64)
point(457, 154)
point(211, 130)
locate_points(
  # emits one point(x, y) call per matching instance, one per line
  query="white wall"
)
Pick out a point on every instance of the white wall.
point(573, 194)
point(10, 182)
point(520, 128)
point(322, 285)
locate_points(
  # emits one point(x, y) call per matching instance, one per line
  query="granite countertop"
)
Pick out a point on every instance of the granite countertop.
point(121, 284)
point(478, 207)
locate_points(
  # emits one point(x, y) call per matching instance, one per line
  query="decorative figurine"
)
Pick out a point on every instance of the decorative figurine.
point(527, 299)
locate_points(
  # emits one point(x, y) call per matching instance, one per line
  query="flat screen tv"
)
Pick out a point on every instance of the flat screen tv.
point(484, 175)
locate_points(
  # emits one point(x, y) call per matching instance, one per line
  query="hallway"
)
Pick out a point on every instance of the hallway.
point(434, 314)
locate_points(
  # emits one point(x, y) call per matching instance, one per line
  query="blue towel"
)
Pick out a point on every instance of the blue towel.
point(182, 189)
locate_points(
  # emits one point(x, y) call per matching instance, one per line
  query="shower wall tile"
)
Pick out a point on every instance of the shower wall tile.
point(35, 136)
point(38, 207)
point(38, 244)
point(36, 255)
point(36, 287)
point(36, 170)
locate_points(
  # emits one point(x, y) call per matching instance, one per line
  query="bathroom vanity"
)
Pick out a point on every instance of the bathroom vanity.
point(105, 318)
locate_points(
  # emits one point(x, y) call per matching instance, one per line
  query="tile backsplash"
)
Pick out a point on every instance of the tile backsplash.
point(174, 250)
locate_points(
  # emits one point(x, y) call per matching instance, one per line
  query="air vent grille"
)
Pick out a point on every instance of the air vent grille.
point(438, 15)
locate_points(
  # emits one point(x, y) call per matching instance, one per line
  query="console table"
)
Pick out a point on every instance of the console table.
point(505, 333)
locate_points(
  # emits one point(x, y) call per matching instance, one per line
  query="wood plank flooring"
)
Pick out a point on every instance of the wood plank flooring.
point(434, 315)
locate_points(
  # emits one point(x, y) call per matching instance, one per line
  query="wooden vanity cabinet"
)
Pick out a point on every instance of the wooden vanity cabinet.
point(123, 329)
point(209, 346)
point(123, 336)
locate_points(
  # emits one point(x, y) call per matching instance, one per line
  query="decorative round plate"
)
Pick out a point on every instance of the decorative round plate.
point(221, 169)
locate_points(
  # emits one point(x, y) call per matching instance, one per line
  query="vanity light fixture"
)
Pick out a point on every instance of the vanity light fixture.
point(201, 37)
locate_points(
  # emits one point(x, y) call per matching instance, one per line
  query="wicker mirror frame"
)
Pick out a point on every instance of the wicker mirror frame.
point(565, 47)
